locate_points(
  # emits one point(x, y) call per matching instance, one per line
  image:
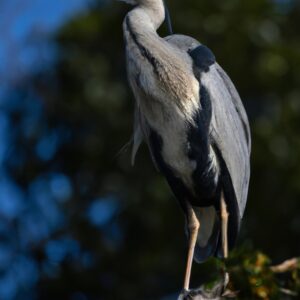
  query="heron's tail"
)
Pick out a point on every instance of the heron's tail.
point(209, 233)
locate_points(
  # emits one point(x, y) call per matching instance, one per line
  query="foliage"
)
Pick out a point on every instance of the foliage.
point(252, 274)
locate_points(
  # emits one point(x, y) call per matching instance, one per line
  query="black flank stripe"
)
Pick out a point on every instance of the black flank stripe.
point(144, 51)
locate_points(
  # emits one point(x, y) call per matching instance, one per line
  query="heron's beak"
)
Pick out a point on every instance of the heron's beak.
point(168, 19)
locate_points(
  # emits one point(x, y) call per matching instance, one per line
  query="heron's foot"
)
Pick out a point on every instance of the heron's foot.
point(218, 291)
point(194, 294)
point(227, 292)
point(225, 280)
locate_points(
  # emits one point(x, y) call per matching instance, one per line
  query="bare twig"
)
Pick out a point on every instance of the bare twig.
point(288, 265)
point(288, 292)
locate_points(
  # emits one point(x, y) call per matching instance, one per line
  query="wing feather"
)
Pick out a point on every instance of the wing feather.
point(237, 103)
point(228, 132)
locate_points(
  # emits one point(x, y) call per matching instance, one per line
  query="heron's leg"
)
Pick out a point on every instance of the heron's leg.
point(193, 227)
point(224, 231)
point(224, 219)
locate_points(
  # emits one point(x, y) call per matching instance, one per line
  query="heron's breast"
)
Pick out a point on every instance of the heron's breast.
point(175, 149)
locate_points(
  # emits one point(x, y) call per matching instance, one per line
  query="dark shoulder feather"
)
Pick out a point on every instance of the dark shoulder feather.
point(202, 57)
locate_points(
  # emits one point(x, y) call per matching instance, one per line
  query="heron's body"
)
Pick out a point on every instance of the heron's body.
point(190, 115)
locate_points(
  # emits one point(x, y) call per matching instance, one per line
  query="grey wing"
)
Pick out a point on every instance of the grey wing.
point(230, 131)
point(229, 128)
point(237, 103)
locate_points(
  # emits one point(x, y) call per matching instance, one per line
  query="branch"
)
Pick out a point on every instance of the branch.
point(288, 265)
point(218, 292)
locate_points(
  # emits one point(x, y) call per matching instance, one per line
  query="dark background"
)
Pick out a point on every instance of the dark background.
point(76, 220)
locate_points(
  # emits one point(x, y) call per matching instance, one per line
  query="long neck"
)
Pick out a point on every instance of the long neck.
point(148, 15)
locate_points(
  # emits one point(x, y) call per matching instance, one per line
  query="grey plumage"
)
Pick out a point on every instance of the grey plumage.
point(189, 113)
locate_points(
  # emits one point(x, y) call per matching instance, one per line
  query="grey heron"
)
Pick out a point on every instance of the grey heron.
point(190, 115)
